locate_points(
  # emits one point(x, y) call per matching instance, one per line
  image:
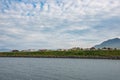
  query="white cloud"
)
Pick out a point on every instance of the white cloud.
point(58, 24)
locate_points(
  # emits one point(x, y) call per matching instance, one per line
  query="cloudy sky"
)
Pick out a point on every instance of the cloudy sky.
point(55, 24)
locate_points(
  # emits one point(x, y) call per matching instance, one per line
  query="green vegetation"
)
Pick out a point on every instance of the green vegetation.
point(67, 54)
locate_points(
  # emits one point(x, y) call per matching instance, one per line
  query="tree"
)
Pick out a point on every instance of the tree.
point(15, 50)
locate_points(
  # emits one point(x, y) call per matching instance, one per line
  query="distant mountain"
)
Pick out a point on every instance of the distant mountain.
point(4, 50)
point(112, 43)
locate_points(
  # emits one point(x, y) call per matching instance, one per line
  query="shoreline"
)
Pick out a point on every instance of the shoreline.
point(67, 57)
point(74, 54)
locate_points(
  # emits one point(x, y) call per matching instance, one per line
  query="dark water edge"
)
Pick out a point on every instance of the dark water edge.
point(71, 57)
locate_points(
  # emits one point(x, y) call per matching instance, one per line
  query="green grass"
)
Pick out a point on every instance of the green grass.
point(88, 53)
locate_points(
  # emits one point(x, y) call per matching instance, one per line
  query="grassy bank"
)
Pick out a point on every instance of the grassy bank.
point(108, 54)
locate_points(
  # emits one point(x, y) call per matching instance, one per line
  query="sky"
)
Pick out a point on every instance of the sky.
point(53, 24)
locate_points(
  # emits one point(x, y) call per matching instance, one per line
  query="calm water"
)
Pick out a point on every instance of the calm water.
point(58, 69)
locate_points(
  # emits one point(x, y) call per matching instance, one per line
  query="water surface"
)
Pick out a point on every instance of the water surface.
point(58, 69)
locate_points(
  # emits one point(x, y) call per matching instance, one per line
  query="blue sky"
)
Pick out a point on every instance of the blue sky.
point(56, 24)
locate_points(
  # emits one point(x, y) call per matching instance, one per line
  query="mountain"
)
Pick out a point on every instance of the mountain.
point(4, 50)
point(112, 43)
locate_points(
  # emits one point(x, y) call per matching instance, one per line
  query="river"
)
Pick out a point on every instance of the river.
point(59, 69)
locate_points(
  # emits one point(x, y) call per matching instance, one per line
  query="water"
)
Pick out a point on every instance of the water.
point(58, 69)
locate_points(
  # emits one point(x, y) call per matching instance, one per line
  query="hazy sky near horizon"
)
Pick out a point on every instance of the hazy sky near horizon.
point(55, 24)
